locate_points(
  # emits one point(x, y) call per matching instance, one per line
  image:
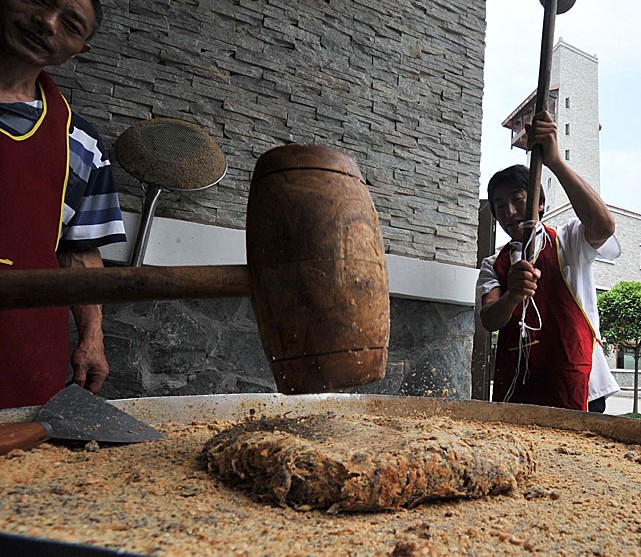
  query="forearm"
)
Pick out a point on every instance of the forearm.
point(90, 366)
point(495, 315)
point(88, 318)
point(588, 206)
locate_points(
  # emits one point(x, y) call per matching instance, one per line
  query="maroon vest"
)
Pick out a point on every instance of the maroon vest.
point(34, 343)
point(560, 358)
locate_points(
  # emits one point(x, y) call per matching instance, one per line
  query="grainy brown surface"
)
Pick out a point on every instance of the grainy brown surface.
point(363, 463)
point(155, 499)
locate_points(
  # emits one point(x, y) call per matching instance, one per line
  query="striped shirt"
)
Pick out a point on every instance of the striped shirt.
point(92, 216)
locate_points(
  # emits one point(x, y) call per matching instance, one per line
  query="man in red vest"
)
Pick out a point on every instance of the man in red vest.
point(57, 197)
point(548, 350)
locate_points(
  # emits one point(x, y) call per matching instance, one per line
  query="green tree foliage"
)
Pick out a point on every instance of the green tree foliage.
point(620, 316)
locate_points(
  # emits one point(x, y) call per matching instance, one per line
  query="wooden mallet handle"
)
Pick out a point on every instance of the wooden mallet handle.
point(61, 287)
point(536, 157)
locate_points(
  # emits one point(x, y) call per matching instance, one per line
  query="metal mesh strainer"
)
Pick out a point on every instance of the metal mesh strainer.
point(167, 153)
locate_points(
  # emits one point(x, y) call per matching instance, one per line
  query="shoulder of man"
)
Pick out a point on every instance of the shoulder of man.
point(80, 122)
point(87, 140)
point(574, 246)
point(570, 231)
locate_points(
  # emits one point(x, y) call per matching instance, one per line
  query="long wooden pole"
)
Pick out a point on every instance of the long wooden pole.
point(536, 157)
point(62, 287)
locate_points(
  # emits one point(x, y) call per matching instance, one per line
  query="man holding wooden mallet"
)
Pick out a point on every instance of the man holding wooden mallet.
point(549, 351)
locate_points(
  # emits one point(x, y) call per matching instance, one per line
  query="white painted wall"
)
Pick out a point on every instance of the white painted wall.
point(175, 242)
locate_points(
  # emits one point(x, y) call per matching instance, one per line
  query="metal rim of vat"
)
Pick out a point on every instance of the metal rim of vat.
point(184, 409)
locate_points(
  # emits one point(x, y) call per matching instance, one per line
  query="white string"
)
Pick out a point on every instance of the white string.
point(525, 329)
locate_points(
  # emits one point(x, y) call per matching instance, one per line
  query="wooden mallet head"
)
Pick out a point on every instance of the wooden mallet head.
point(317, 265)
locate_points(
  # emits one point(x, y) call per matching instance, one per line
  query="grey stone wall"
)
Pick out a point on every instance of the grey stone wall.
point(397, 85)
point(212, 346)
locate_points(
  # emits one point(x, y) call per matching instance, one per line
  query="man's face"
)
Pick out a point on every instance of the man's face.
point(510, 206)
point(45, 32)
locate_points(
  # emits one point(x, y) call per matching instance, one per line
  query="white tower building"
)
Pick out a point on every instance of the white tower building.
point(574, 104)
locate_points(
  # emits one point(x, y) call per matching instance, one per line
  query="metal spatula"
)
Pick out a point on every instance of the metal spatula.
point(75, 414)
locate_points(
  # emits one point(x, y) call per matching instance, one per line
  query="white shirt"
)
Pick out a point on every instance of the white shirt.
point(576, 257)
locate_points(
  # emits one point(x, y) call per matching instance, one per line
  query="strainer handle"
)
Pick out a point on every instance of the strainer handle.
point(148, 210)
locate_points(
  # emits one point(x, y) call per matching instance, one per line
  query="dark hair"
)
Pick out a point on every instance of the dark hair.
point(97, 8)
point(517, 175)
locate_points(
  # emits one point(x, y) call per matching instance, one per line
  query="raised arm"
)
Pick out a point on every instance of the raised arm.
point(588, 206)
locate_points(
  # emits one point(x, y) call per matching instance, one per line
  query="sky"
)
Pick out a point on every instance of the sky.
point(609, 30)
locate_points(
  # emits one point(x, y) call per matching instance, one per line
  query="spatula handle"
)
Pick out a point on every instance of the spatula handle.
point(24, 435)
